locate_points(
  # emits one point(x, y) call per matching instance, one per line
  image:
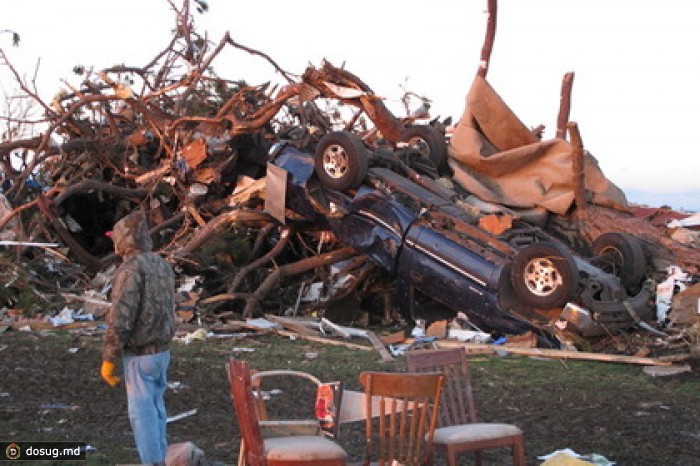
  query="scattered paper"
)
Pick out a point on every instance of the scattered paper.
point(188, 284)
point(243, 350)
point(267, 395)
point(664, 371)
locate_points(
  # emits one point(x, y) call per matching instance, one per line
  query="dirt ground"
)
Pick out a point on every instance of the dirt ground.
point(50, 390)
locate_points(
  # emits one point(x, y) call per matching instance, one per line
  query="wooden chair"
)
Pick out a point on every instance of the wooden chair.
point(274, 451)
point(459, 429)
point(401, 417)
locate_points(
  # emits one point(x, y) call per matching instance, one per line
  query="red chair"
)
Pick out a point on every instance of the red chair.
point(274, 451)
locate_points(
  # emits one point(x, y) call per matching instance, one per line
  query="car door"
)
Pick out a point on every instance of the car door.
point(446, 270)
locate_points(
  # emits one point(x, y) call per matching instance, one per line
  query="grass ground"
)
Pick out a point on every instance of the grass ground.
point(50, 390)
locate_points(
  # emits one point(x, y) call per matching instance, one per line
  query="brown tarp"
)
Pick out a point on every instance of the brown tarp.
point(497, 158)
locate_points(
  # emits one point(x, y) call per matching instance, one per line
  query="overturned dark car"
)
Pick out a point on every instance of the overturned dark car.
point(418, 231)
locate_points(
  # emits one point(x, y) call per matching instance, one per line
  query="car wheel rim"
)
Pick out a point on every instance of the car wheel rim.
point(612, 260)
point(542, 277)
point(420, 145)
point(335, 161)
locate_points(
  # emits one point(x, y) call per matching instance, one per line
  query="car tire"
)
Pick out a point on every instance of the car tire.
point(429, 141)
point(620, 254)
point(544, 275)
point(341, 160)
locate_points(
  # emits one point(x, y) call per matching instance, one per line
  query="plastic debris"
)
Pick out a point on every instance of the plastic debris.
point(676, 281)
point(177, 417)
point(68, 316)
point(313, 292)
point(419, 329)
point(199, 334)
point(561, 457)
point(468, 335)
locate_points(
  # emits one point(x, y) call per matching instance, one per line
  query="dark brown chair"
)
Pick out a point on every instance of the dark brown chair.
point(459, 429)
point(401, 416)
point(274, 451)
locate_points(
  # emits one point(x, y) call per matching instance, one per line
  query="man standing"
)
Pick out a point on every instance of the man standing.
point(141, 324)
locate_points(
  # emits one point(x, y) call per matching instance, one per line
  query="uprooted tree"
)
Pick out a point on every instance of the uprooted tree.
point(176, 146)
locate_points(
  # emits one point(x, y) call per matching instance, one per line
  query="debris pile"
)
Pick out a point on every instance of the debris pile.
point(256, 194)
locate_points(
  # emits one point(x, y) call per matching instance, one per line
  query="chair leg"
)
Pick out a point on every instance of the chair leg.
point(518, 450)
point(452, 458)
point(477, 456)
point(241, 454)
point(451, 455)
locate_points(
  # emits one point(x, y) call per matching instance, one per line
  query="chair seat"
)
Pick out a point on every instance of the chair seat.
point(306, 448)
point(475, 432)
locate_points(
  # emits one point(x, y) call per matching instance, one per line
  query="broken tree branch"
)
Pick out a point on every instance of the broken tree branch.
point(95, 185)
point(249, 217)
point(274, 252)
point(578, 167)
point(88, 260)
point(564, 105)
point(301, 266)
point(488, 39)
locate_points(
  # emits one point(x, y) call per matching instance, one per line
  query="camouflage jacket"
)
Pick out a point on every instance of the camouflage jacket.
point(143, 293)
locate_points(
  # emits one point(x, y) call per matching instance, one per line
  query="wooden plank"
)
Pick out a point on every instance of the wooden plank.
point(393, 338)
point(553, 353)
point(299, 327)
point(35, 326)
point(328, 341)
point(345, 332)
point(383, 352)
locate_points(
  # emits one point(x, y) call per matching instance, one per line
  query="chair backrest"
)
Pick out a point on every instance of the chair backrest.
point(295, 376)
point(245, 406)
point(401, 423)
point(457, 405)
point(314, 410)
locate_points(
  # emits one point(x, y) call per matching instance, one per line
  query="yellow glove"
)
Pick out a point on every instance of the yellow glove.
point(107, 373)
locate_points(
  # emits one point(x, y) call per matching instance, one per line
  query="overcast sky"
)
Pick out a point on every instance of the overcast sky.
point(637, 68)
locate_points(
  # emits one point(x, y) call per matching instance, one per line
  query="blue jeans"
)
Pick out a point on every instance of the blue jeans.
point(146, 380)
